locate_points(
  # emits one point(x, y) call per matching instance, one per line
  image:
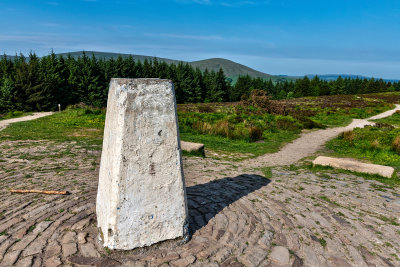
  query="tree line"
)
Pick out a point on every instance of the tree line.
point(35, 84)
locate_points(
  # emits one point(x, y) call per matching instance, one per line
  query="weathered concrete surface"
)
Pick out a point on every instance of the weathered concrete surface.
point(141, 194)
point(192, 147)
point(353, 165)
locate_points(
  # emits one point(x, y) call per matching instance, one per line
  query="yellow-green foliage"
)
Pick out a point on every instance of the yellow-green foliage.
point(72, 124)
point(396, 144)
point(348, 136)
point(375, 144)
point(380, 145)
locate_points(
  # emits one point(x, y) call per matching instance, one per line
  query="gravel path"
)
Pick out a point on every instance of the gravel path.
point(34, 116)
point(309, 143)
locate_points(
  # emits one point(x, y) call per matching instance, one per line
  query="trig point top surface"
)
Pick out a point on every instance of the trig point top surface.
point(141, 196)
point(125, 81)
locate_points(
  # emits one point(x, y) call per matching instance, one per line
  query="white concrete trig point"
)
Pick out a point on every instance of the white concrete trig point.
point(141, 197)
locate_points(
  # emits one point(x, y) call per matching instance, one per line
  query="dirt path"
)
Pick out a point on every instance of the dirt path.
point(34, 116)
point(309, 143)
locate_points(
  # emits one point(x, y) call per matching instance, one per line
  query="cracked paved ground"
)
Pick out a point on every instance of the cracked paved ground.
point(237, 216)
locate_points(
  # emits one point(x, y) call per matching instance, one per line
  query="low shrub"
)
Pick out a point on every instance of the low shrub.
point(94, 111)
point(205, 109)
point(384, 125)
point(375, 144)
point(12, 114)
point(223, 128)
point(396, 144)
point(255, 134)
point(348, 136)
point(286, 123)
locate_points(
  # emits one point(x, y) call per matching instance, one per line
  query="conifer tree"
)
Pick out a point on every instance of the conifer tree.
point(6, 92)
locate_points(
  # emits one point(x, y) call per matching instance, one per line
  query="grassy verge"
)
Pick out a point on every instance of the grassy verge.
point(271, 143)
point(370, 143)
point(81, 125)
point(393, 120)
point(343, 117)
point(250, 128)
point(14, 114)
point(379, 144)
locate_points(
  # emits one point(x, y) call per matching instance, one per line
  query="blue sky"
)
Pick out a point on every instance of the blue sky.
point(277, 37)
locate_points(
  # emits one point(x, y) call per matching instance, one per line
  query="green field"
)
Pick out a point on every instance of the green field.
point(84, 125)
point(252, 127)
point(379, 144)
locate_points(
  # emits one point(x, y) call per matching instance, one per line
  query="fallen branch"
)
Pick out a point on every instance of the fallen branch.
point(47, 192)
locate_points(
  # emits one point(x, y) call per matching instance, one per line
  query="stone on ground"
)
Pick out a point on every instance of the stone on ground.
point(280, 256)
point(356, 166)
point(192, 147)
point(141, 196)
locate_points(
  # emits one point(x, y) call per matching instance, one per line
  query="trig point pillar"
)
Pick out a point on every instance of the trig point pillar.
point(141, 196)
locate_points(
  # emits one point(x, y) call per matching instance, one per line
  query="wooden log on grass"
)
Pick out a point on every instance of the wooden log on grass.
point(46, 192)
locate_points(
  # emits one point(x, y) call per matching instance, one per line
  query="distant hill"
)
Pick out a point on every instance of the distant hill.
point(9, 57)
point(231, 69)
point(106, 55)
point(333, 77)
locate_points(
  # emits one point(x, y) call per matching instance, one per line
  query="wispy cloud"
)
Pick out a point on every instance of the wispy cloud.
point(188, 37)
point(16, 37)
point(221, 3)
point(53, 3)
point(201, 2)
point(51, 25)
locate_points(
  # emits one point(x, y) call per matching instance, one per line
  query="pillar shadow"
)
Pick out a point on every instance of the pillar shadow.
point(207, 200)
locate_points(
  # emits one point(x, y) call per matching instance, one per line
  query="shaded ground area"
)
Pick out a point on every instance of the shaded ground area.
point(237, 216)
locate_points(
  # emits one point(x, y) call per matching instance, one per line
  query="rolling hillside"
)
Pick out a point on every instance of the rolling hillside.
point(106, 55)
point(333, 77)
point(231, 69)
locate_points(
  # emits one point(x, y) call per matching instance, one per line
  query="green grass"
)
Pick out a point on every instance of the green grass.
point(393, 120)
point(332, 120)
point(271, 144)
point(267, 171)
point(322, 242)
point(371, 144)
point(192, 154)
point(70, 125)
point(14, 114)
point(222, 127)
point(343, 117)
point(31, 228)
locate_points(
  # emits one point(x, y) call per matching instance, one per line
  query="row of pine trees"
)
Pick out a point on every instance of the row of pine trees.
point(36, 84)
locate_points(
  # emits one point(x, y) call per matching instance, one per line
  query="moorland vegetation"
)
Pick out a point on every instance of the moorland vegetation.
point(254, 126)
